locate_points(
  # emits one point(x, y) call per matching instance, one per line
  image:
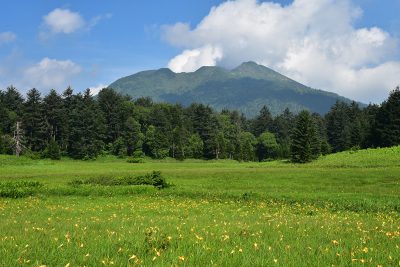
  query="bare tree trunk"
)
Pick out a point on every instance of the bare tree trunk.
point(17, 139)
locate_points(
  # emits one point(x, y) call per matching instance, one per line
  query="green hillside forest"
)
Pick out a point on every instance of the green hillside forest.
point(246, 88)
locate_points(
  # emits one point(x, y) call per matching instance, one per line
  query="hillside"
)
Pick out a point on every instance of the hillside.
point(246, 88)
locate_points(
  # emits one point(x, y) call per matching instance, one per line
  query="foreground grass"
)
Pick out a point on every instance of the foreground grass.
point(340, 210)
point(126, 231)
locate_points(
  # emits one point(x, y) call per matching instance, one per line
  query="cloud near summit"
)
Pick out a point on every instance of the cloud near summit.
point(312, 41)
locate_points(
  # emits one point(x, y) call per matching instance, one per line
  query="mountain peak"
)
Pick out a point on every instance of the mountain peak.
point(256, 71)
point(247, 88)
point(249, 64)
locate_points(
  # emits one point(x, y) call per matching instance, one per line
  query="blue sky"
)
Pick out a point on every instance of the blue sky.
point(53, 44)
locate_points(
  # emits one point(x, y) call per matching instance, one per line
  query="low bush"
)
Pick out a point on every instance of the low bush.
point(155, 179)
point(135, 160)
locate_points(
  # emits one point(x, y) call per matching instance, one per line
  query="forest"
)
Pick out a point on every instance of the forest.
point(83, 126)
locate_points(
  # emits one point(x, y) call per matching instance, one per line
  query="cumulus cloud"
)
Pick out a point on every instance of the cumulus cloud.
point(7, 37)
point(190, 60)
point(51, 73)
point(65, 21)
point(313, 41)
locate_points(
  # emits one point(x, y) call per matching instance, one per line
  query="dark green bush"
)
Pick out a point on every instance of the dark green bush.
point(135, 160)
point(52, 151)
point(155, 179)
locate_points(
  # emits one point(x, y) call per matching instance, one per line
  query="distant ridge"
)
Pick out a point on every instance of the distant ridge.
point(246, 88)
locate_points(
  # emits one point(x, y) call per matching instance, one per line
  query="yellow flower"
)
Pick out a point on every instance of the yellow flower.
point(199, 237)
point(335, 242)
point(181, 258)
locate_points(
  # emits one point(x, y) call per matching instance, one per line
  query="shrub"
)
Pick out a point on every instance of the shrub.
point(137, 157)
point(154, 179)
point(135, 160)
point(52, 151)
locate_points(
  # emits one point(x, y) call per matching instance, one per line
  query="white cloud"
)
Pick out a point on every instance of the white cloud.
point(63, 21)
point(51, 74)
point(96, 89)
point(312, 41)
point(190, 60)
point(7, 37)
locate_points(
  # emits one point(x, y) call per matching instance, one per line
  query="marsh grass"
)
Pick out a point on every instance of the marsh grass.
point(341, 210)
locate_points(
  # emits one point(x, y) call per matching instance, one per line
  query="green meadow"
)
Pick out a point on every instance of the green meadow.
point(341, 210)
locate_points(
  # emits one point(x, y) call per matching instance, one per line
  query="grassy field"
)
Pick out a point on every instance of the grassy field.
point(341, 210)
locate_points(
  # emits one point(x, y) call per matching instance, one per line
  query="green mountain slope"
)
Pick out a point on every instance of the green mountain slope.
point(246, 88)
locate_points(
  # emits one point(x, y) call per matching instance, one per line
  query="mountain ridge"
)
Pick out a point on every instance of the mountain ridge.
point(246, 88)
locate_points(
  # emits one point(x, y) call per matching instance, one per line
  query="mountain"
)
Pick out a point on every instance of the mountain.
point(246, 88)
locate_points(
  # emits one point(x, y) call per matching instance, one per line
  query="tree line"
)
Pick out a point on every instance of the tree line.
point(82, 126)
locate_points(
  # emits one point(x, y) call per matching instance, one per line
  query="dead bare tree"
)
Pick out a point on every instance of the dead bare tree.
point(18, 139)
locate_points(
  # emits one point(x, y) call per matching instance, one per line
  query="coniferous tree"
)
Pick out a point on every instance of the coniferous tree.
point(13, 100)
point(204, 124)
point(11, 109)
point(282, 127)
point(356, 121)
point(387, 123)
point(55, 116)
point(263, 122)
point(110, 103)
point(3, 113)
point(305, 139)
point(369, 131)
point(339, 127)
point(70, 102)
point(34, 121)
point(87, 128)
